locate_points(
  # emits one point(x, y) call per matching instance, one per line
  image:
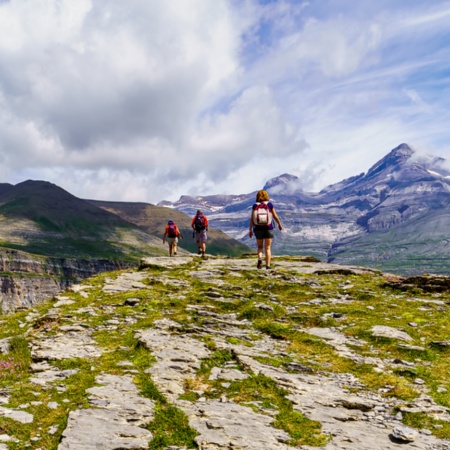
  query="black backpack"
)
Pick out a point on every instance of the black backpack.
point(199, 222)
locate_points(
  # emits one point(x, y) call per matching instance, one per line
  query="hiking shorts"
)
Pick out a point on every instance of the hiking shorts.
point(263, 233)
point(201, 236)
point(172, 240)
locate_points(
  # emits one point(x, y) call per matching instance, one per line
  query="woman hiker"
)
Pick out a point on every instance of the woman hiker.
point(261, 225)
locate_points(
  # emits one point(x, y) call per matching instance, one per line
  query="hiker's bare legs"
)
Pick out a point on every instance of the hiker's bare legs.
point(264, 244)
point(170, 249)
point(268, 244)
point(260, 243)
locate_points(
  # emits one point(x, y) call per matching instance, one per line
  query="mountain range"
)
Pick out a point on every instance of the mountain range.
point(395, 217)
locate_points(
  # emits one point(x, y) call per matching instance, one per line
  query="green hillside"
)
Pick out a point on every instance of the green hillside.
point(41, 218)
point(153, 219)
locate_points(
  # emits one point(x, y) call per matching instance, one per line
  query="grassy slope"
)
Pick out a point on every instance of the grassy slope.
point(39, 217)
point(153, 219)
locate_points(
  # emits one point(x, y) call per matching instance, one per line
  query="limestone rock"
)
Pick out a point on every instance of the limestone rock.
point(404, 434)
point(390, 332)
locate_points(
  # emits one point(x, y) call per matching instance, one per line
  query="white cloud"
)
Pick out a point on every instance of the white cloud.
point(148, 100)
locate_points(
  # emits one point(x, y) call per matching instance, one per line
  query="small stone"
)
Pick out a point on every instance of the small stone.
point(426, 432)
point(132, 301)
point(404, 434)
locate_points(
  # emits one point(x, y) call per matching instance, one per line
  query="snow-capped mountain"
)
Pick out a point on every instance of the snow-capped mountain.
point(396, 216)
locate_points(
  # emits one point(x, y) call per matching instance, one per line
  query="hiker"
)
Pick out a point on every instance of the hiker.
point(172, 233)
point(200, 227)
point(261, 225)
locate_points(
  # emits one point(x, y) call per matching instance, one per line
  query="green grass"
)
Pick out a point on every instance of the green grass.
point(170, 427)
point(263, 390)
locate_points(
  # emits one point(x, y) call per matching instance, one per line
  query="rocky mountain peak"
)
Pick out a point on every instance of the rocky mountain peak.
point(393, 159)
point(283, 184)
point(401, 202)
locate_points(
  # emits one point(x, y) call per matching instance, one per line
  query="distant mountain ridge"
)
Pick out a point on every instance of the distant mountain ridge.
point(395, 217)
point(41, 218)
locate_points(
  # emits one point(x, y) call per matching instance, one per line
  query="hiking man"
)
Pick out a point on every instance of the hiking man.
point(172, 233)
point(261, 225)
point(200, 227)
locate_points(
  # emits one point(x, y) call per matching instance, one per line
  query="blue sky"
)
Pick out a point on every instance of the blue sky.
point(149, 100)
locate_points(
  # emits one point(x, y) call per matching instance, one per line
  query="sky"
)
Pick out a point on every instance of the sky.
point(148, 100)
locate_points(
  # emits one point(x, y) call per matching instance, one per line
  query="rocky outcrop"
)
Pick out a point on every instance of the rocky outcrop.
point(427, 283)
point(192, 331)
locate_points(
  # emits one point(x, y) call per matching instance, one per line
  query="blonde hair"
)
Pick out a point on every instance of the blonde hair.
point(262, 196)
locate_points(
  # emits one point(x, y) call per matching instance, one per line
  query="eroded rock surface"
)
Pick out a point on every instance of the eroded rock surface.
point(117, 414)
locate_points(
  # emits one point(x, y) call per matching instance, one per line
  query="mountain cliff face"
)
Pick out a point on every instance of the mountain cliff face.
point(395, 217)
point(27, 280)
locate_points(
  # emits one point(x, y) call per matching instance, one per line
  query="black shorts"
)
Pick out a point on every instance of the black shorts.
point(263, 233)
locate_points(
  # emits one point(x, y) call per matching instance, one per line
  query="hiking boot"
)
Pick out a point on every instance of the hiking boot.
point(199, 252)
point(259, 265)
point(174, 253)
point(268, 267)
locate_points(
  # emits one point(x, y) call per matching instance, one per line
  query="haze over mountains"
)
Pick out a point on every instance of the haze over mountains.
point(395, 217)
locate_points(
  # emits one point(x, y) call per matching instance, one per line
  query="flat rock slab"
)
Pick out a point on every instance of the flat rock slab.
point(119, 394)
point(177, 359)
point(164, 261)
point(390, 332)
point(101, 429)
point(115, 423)
point(65, 346)
point(230, 426)
point(126, 281)
point(18, 416)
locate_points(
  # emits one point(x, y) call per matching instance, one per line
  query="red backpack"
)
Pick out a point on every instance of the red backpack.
point(172, 229)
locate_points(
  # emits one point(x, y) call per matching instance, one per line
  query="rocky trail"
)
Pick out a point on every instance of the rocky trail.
point(116, 413)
